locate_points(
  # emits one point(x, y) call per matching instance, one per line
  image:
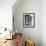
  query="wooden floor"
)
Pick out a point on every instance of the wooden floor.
point(9, 43)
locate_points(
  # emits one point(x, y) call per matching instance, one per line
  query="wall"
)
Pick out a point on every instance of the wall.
point(6, 13)
point(43, 22)
point(29, 6)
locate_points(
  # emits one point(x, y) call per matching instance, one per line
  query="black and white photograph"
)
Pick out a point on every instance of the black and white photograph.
point(29, 20)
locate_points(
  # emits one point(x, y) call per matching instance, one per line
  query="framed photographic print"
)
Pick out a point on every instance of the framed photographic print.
point(29, 20)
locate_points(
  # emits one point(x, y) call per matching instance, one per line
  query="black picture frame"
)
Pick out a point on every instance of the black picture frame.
point(28, 20)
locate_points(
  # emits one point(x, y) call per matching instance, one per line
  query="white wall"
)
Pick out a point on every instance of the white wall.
point(43, 22)
point(6, 13)
point(29, 6)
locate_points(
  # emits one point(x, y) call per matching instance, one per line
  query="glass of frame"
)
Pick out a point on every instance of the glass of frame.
point(29, 20)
